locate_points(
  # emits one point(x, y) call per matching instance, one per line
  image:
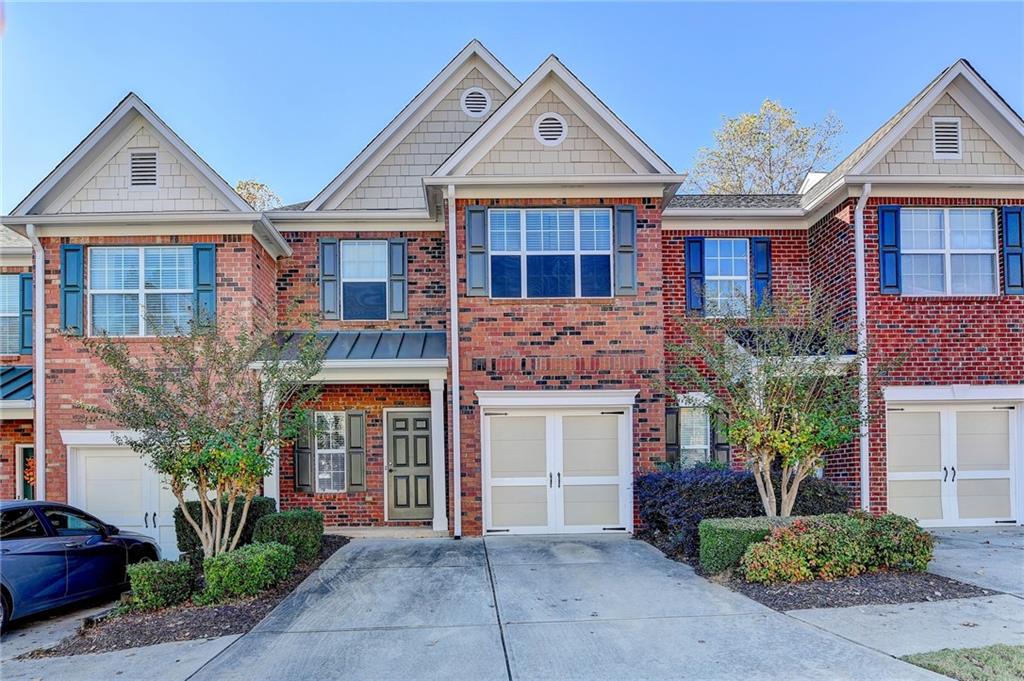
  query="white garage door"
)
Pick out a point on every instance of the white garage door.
point(562, 472)
point(953, 464)
point(116, 486)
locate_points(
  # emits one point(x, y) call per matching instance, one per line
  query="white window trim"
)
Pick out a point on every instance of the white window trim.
point(942, 156)
point(19, 476)
point(316, 457)
point(472, 90)
point(141, 291)
point(15, 315)
point(728, 277)
point(560, 119)
point(343, 279)
point(576, 252)
point(948, 252)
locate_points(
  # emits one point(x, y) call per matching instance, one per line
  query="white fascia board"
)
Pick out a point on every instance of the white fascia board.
point(957, 181)
point(953, 393)
point(94, 438)
point(556, 180)
point(128, 219)
point(382, 371)
point(17, 410)
point(271, 239)
point(556, 398)
point(467, 155)
point(751, 223)
point(410, 116)
point(15, 257)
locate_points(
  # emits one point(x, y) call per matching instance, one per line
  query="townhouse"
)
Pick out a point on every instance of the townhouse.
point(498, 275)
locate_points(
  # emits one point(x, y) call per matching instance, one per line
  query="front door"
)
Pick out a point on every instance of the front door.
point(409, 466)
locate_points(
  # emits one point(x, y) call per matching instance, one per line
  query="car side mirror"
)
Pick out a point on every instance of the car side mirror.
point(112, 530)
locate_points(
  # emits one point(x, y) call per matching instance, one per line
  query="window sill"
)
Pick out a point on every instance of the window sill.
point(550, 301)
point(953, 296)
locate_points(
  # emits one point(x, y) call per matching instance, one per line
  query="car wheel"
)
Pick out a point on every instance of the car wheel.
point(5, 611)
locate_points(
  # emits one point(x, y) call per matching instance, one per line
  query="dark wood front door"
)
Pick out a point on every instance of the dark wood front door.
point(409, 484)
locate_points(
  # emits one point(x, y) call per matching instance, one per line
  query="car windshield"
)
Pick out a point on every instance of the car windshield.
point(20, 523)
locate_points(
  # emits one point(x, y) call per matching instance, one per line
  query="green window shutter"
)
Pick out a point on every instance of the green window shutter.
point(694, 256)
point(330, 293)
point(1013, 250)
point(355, 429)
point(476, 251)
point(625, 251)
point(889, 268)
point(204, 293)
point(671, 434)
point(303, 457)
point(761, 269)
point(72, 289)
point(398, 279)
point(25, 313)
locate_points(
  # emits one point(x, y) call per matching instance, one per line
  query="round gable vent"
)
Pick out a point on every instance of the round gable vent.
point(476, 102)
point(550, 129)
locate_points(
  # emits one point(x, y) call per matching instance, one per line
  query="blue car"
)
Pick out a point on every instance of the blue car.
point(53, 554)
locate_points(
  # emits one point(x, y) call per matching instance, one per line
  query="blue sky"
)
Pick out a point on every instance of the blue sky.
point(289, 93)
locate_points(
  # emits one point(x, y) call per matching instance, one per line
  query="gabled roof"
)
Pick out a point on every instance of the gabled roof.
point(621, 138)
point(90, 150)
point(414, 112)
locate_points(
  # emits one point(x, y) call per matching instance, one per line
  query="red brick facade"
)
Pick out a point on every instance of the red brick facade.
point(13, 432)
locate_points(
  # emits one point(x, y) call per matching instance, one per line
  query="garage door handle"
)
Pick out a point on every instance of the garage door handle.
point(559, 480)
point(145, 519)
point(954, 474)
point(945, 473)
point(551, 480)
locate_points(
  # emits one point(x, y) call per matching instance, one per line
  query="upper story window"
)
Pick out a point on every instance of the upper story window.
point(727, 277)
point(9, 314)
point(330, 451)
point(550, 252)
point(948, 251)
point(364, 277)
point(140, 291)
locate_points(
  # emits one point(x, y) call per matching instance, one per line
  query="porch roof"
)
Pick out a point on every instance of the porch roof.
point(372, 345)
point(16, 383)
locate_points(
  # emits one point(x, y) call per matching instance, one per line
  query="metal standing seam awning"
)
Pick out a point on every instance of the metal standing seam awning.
point(371, 355)
point(16, 393)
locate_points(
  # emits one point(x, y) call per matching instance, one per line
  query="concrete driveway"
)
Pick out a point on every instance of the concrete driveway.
point(604, 607)
point(989, 557)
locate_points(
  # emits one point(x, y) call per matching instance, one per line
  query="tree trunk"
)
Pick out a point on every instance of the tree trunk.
point(763, 478)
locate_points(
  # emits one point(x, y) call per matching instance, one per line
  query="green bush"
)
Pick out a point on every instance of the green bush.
point(724, 540)
point(160, 584)
point(188, 541)
point(833, 546)
point(247, 571)
point(301, 529)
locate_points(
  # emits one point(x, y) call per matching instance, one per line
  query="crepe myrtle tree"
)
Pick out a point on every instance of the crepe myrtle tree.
point(782, 380)
point(209, 412)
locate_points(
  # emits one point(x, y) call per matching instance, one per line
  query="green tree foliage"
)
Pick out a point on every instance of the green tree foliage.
point(767, 152)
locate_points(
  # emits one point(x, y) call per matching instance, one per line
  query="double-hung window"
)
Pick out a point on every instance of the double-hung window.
point(364, 279)
point(727, 277)
point(550, 252)
point(140, 291)
point(9, 314)
point(694, 435)
point(948, 251)
point(330, 451)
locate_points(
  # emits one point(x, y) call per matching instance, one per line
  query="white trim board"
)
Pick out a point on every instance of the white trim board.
point(556, 398)
point(953, 393)
point(17, 410)
point(93, 438)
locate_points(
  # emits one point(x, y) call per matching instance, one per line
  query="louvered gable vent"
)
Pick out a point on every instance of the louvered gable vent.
point(143, 169)
point(946, 138)
point(476, 102)
point(550, 129)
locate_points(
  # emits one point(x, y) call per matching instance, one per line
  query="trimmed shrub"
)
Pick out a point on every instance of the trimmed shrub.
point(247, 571)
point(160, 584)
point(833, 546)
point(672, 503)
point(723, 541)
point(301, 529)
point(188, 541)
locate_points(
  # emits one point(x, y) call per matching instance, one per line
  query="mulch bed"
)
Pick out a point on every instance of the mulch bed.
point(879, 588)
point(184, 622)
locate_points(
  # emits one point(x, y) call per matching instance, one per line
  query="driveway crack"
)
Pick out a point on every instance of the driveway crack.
point(497, 611)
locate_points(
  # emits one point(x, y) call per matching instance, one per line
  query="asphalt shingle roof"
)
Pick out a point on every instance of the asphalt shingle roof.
point(735, 201)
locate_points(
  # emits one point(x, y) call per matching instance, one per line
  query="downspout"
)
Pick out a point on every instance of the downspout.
point(38, 353)
point(453, 333)
point(862, 347)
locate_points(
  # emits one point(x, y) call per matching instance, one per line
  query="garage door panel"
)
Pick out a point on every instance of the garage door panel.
point(914, 442)
point(983, 498)
point(982, 440)
point(519, 506)
point(591, 504)
point(519, 447)
point(921, 499)
point(590, 445)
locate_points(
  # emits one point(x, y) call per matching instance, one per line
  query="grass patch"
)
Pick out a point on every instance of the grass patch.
point(991, 663)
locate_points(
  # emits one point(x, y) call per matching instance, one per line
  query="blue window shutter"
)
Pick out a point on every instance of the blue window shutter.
point(330, 293)
point(398, 279)
point(695, 274)
point(72, 289)
point(761, 268)
point(625, 251)
point(889, 249)
point(476, 251)
point(1013, 250)
point(25, 313)
point(204, 278)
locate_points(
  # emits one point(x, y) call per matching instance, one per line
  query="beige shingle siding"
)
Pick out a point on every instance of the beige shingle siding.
point(397, 182)
point(110, 190)
point(582, 152)
point(980, 155)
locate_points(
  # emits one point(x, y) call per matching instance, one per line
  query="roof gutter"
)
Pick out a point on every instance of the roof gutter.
point(455, 388)
point(862, 344)
point(38, 357)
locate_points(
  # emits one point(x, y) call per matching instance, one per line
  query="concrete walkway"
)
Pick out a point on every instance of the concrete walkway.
point(601, 607)
point(989, 557)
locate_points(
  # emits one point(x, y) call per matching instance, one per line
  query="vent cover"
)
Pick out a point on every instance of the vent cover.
point(550, 129)
point(946, 138)
point(143, 169)
point(476, 102)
